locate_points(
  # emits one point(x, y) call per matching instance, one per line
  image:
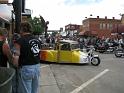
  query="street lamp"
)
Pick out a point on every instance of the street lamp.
point(46, 27)
point(44, 24)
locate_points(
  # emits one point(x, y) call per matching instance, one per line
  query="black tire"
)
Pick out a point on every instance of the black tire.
point(118, 51)
point(95, 61)
point(117, 55)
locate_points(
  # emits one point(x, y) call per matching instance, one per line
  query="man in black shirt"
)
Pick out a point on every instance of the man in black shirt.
point(28, 48)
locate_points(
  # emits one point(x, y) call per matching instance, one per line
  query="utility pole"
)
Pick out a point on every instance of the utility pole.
point(17, 5)
point(12, 14)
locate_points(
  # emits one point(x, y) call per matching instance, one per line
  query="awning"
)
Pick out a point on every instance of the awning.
point(6, 12)
point(4, 19)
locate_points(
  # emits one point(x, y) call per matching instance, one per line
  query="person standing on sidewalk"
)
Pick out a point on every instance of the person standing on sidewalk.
point(5, 52)
point(28, 48)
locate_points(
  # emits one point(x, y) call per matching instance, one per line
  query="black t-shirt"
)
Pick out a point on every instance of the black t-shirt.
point(29, 50)
point(3, 58)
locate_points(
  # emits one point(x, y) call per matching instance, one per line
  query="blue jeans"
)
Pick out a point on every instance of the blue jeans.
point(29, 79)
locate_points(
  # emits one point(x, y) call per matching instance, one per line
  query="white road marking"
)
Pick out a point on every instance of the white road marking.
point(89, 81)
point(44, 66)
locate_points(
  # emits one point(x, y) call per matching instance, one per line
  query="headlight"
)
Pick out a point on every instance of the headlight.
point(84, 59)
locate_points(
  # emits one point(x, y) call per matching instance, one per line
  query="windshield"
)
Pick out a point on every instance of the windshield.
point(75, 46)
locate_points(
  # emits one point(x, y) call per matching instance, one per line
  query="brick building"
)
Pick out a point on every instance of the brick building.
point(100, 27)
point(72, 29)
point(120, 28)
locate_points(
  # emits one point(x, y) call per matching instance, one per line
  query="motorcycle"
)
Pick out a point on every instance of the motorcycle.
point(105, 47)
point(119, 52)
point(93, 58)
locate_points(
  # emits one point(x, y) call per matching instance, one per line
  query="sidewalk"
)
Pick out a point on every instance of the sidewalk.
point(47, 81)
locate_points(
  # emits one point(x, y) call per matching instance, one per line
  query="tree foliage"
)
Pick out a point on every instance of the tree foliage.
point(37, 25)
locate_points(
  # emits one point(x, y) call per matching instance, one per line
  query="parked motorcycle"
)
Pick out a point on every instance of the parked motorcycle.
point(106, 47)
point(119, 52)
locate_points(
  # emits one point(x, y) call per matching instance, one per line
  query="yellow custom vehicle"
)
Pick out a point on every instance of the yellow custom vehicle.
point(67, 51)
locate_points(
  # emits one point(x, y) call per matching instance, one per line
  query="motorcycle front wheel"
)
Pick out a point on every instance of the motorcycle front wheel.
point(117, 54)
point(95, 61)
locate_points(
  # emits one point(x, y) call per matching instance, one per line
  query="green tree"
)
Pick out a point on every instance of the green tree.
point(37, 25)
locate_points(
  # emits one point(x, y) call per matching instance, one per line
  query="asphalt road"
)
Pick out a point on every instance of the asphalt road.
point(108, 77)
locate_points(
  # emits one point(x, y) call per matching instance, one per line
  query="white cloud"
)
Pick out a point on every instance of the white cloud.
point(58, 14)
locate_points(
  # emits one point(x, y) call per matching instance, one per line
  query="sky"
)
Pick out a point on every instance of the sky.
point(63, 12)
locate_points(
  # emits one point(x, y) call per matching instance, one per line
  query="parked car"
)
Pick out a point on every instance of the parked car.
point(68, 51)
